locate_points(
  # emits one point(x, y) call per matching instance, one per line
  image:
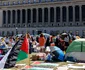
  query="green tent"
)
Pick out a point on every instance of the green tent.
point(76, 51)
point(77, 45)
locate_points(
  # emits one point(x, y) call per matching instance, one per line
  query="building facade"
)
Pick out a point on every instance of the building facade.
point(35, 16)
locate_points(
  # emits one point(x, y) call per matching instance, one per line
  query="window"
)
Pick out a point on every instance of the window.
point(4, 17)
point(34, 15)
point(40, 15)
point(64, 14)
point(23, 15)
point(83, 12)
point(58, 14)
point(77, 13)
point(18, 16)
point(45, 14)
point(13, 15)
point(51, 14)
point(9, 16)
point(70, 13)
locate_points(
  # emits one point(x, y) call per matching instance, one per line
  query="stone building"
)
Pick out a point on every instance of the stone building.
point(35, 16)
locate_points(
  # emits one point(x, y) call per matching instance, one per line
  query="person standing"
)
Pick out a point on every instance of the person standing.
point(42, 42)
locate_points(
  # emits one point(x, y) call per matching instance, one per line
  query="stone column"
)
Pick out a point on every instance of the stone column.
point(26, 17)
point(80, 14)
point(36, 16)
point(31, 16)
point(61, 16)
point(67, 16)
point(74, 15)
point(55, 15)
point(48, 16)
point(43, 17)
point(16, 17)
point(6, 17)
point(21, 17)
point(11, 17)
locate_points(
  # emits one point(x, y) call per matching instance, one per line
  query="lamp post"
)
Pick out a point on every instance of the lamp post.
point(16, 30)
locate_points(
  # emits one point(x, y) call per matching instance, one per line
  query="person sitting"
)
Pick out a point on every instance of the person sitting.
point(57, 53)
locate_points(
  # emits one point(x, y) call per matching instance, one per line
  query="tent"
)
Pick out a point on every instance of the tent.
point(76, 51)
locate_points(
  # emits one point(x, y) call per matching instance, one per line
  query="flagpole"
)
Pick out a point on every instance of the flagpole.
point(28, 48)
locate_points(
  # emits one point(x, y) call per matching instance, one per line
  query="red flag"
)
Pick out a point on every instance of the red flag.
point(23, 54)
point(25, 45)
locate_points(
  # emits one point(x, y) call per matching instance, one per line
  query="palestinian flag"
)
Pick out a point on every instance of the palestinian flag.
point(18, 52)
point(23, 50)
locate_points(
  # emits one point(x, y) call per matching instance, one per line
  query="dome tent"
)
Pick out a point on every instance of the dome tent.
point(76, 51)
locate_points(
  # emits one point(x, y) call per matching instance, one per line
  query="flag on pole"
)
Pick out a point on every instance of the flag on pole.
point(18, 52)
point(12, 57)
point(23, 50)
point(2, 62)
